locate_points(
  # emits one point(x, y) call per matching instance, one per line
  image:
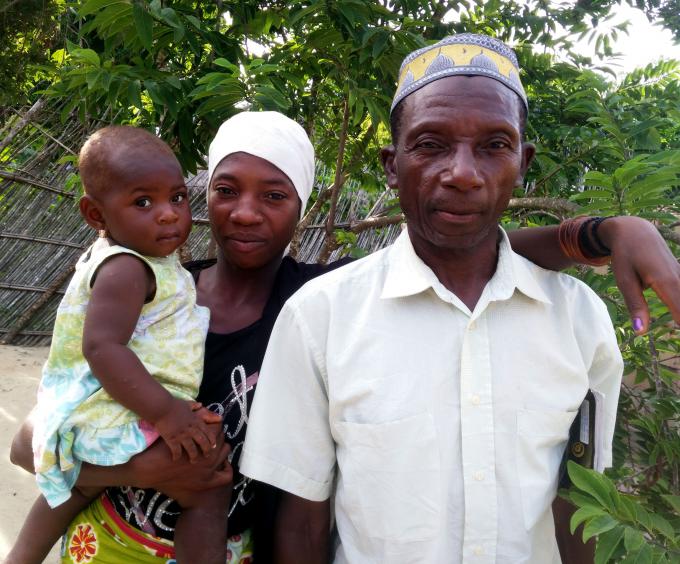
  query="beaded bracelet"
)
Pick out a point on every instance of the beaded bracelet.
point(576, 238)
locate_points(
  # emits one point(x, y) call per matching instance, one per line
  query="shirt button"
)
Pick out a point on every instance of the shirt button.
point(477, 551)
point(474, 400)
point(472, 326)
point(479, 476)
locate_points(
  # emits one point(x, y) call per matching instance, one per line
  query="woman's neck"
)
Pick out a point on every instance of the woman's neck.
point(236, 297)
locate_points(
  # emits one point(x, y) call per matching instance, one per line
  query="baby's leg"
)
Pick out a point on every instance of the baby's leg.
point(44, 525)
point(201, 531)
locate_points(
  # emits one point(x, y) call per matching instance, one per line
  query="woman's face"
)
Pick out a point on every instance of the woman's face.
point(253, 209)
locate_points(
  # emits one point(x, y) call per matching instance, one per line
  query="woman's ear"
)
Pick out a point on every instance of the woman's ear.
point(91, 212)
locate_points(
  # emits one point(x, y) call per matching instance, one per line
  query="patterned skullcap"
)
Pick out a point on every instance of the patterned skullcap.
point(466, 54)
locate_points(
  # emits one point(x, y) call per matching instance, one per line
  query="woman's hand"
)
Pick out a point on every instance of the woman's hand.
point(154, 468)
point(640, 260)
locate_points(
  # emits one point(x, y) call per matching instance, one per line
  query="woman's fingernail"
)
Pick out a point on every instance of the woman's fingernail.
point(637, 324)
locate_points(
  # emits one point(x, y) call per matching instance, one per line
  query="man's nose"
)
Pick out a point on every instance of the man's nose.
point(461, 170)
point(246, 211)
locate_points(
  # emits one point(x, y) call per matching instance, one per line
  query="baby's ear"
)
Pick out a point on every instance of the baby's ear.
point(91, 212)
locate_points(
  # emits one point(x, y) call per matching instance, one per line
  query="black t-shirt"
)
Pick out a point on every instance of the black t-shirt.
point(231, 369)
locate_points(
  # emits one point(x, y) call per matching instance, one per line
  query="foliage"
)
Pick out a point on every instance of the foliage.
point(604, 145)
point(28, 30)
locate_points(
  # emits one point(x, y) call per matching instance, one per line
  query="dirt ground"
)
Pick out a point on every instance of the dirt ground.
point(19, 377)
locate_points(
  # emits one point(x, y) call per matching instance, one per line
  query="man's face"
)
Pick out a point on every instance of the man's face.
point(458, 157)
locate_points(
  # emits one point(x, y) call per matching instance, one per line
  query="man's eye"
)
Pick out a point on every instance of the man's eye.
point(143, 202)
point(498, 145)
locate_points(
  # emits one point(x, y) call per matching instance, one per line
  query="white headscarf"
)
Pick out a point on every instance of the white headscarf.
point(272, 137)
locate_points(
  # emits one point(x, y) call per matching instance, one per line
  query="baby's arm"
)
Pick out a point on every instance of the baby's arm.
point(122, 285)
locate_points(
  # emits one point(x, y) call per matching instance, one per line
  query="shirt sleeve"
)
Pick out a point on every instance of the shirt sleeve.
point(604, 375)
point(288, 443)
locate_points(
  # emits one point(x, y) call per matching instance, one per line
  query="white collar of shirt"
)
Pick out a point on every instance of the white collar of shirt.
point(408, 275)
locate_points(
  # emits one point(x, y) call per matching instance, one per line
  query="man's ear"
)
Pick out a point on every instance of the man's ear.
point(387, 156)
point(91, 212)
point(528, 152)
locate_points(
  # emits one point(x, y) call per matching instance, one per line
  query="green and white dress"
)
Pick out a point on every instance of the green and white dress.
point(76, 419)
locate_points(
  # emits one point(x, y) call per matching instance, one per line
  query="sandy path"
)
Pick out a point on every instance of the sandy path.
point(19, 376)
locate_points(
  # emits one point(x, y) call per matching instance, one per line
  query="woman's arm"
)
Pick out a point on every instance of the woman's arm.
point(153, 468)
point(640, 260)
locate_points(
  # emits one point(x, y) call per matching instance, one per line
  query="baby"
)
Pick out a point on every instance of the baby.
point(127, 351)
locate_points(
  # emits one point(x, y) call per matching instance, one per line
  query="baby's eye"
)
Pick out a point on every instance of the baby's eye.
point(143, 202)
point(179, 198)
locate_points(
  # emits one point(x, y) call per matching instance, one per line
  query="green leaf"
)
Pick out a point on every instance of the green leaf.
point(87, 56)
point(143, 25)
point(661, 525)
point(633, 539)
point(93, 6)
point(598, 525)
point(673, 501)
point(607, 544)
point(134, 93)
point(583, 513)
point(641, 556)
point(592, 483)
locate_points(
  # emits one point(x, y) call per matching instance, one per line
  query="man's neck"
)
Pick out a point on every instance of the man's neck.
point(465, 272)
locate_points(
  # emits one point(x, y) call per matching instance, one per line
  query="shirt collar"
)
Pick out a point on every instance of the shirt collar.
point(408, 275)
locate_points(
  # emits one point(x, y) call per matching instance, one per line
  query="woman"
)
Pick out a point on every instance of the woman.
point(261, 168)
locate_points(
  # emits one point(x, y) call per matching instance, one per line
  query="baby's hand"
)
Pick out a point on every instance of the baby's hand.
point(186, 425)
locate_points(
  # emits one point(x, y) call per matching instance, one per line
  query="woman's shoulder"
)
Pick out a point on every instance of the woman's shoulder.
point(196, 266)
point(303, 271)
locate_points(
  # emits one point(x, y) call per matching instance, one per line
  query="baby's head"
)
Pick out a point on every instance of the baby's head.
point(134, 190)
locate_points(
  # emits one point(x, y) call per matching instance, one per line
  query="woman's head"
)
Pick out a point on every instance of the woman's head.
point(261, 173)
point(134, 190)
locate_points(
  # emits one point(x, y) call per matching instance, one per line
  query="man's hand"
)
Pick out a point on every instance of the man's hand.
point(640, 260)
point(184, 425)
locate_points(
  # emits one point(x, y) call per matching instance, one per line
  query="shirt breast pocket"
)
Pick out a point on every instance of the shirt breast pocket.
point(389, 486)
point(541, 438)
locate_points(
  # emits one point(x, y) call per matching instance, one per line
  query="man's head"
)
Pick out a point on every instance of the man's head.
point(457, 150)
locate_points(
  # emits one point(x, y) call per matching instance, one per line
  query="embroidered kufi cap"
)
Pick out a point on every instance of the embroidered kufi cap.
point(466, 54)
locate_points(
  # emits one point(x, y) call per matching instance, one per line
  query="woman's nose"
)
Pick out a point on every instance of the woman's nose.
point(246, 212)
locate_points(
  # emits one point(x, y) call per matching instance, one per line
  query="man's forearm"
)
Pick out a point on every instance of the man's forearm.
point(302, 531)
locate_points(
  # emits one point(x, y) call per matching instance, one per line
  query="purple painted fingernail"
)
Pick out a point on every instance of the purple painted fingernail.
point(637, 323)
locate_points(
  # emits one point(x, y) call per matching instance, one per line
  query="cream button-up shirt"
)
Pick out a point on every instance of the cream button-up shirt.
point(439, 430)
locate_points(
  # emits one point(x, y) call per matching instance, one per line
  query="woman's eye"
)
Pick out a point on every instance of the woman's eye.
point(143, 202)
point(224, 190)
point(276, 196)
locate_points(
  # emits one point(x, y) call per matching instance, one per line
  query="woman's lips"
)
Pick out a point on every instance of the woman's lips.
point(245, 242)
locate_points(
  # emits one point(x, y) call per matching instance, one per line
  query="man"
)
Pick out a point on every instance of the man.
point(429, 388)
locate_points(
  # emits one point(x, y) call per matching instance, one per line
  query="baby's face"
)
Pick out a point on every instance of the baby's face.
point(147, 209)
